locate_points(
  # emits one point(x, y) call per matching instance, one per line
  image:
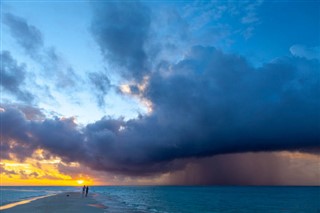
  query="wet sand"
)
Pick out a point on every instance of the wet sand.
point(60, 203)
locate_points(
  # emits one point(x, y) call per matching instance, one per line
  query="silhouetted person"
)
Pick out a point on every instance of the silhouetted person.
point(87, 190)
point(83, 190)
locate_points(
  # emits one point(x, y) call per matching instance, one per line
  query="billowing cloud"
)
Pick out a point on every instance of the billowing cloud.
point(208, 103)
point(13, 77)
point(21, 136)
point(212, 103)
point(121, 30)
point(15, 139)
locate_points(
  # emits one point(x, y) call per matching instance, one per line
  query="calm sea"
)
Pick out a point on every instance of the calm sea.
point(176, 199)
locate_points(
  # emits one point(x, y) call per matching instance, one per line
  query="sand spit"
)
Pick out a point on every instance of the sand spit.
point(60, 203)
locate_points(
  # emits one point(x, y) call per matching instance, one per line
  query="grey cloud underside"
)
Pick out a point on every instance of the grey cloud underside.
point(208, 103)
point(13, 77)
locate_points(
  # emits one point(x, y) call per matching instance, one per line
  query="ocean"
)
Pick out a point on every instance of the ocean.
point(187, 199)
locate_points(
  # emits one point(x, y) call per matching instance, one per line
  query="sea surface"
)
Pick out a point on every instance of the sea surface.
point(188, 199)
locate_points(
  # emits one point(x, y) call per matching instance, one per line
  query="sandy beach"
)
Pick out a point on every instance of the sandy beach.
point(64, 202)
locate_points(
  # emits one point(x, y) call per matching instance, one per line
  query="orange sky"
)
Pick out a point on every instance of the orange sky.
point(40, 171)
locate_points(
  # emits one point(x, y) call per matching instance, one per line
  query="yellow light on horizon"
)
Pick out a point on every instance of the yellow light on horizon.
point(80, 182)
point(42, 170)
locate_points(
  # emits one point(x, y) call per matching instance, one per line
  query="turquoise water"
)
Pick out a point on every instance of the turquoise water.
point(210, 199)
point(176, 199)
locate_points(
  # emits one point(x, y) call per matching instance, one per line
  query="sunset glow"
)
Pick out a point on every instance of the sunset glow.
point(80, 182)
point(39, 170)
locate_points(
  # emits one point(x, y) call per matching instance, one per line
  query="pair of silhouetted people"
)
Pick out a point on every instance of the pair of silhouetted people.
point(85, 190)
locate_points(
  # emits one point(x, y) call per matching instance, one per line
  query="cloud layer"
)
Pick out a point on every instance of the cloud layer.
point(208, 103)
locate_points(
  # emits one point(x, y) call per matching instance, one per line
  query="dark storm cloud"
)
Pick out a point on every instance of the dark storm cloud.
point(28, 36)
point(29, 111)
point(121, 30)
point(13, 77)
point(14, 135)
point(212, 103)
point(61, 137)
point(101, 84)
point(21, 137)
point(208, 103)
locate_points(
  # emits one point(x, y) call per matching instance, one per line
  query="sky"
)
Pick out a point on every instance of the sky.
point(160, 92)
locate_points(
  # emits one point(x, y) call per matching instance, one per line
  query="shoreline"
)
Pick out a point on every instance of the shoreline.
point(22, 202)
point(61, 202)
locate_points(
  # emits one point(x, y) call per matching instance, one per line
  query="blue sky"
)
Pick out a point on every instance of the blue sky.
point(146, 83)
point(260, 31)
point(71, 39)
